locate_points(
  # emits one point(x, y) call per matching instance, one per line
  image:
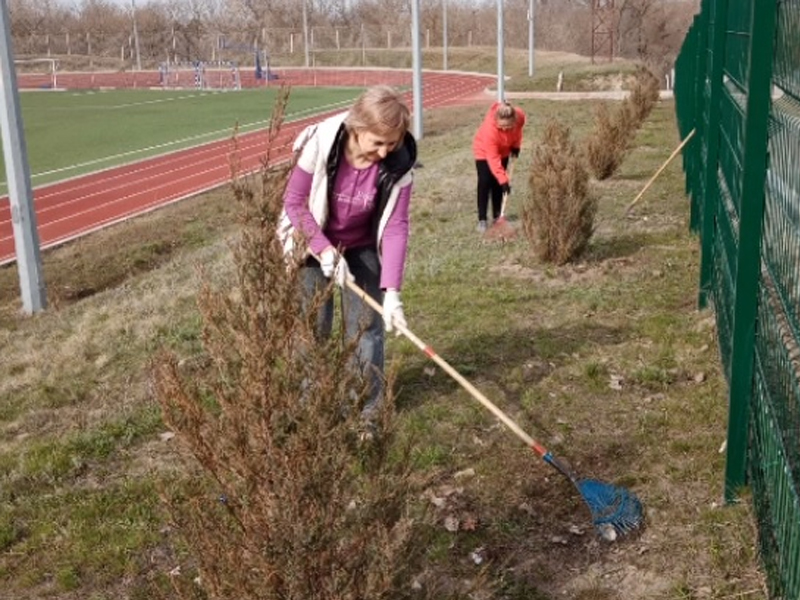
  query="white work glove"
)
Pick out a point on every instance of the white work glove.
point(393, 310)
point(334, 265)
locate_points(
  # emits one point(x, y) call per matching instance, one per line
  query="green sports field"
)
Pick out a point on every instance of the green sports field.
point(74, 133)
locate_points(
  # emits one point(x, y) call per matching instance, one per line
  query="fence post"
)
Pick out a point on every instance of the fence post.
point(754, 170)
point(710, 186)
point(696, 170)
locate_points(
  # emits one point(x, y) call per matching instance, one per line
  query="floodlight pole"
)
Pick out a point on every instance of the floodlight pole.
point(417, 64)
point(530, 38)
point(305, 33)
point(136, 37)
point(20, 192)
point(444, 35)
point(501, 79)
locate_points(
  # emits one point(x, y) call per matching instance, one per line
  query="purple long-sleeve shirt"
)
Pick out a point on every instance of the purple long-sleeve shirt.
point(350, 217)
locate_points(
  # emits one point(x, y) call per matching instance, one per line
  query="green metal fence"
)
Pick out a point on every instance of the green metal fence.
point(738, 87)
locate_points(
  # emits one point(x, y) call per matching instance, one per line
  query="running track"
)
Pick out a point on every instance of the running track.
point(76, 207)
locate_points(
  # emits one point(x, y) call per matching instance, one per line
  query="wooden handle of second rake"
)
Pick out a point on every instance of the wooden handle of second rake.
point(660, 170)
point(474, 392)
point(510, 171)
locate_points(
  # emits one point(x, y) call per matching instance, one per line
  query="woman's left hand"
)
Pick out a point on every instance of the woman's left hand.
point(393, 311)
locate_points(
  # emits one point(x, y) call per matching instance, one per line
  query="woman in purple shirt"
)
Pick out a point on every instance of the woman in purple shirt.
point(348, 198)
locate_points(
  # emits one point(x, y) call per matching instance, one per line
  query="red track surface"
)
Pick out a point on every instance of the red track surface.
point(72, 208)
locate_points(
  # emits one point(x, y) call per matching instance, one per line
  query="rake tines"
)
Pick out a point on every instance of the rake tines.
point(500, 231)
point(615, 510)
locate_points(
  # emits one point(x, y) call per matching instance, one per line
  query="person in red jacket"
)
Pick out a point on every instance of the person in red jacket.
point(498, 138)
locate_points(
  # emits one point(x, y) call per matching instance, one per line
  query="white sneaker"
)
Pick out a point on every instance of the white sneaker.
point(481, 227)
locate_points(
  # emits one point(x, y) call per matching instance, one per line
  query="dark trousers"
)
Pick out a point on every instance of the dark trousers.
point(488, 186)
point(365, 267)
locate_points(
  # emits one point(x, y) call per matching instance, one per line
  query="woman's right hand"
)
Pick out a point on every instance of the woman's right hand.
point(327, 261)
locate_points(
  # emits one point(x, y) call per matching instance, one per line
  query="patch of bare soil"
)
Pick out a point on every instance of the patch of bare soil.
point(623, 582)
point(557, 277)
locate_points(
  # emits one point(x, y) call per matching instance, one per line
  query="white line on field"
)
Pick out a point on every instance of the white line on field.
point(133, 104)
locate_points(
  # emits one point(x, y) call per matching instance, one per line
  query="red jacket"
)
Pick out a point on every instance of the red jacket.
point(493, 145)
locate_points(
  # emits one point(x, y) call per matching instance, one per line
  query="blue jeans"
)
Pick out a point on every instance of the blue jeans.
point(366, 269)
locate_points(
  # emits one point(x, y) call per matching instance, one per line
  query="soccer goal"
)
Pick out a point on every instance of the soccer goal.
point(39, 72)
point(200, 75)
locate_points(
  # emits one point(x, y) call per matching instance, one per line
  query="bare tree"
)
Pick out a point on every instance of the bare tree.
point(652, 30)
point(648, 30)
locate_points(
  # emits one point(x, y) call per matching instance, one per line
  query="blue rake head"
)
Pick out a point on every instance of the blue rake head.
point(611, 506)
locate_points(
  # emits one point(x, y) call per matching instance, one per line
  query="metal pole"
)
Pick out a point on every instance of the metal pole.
point(20, 192)
point(501, 79)
point(305, 32)
point(530, 38)
point(444, 35)
point(136, 37)
point(417, 63)
point(763, 25)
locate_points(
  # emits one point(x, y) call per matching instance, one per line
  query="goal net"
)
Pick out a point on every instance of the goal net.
point(200, 75)
point(38, 72)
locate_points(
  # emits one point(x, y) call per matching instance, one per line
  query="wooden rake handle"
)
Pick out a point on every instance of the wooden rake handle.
point(510, 172)
point(473, 391)
point(660, 170)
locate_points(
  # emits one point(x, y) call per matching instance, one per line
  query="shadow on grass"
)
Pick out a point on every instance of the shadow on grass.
point(616, 247)
point(524, 355)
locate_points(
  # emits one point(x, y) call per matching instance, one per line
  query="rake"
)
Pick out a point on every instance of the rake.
point(660, 170)
point(615, 510)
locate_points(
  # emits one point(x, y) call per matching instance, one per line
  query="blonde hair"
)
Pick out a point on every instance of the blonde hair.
point(505, 115)
point(380, 110)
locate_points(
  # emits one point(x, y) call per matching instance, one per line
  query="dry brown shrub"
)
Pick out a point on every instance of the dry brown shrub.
point(558, 217)
point(610, 139)
point(287, 503)
point(644, 95)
